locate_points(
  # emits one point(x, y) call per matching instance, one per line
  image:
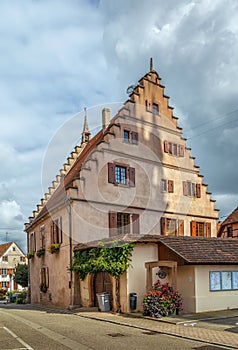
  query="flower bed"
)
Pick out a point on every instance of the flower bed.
point(162, 301)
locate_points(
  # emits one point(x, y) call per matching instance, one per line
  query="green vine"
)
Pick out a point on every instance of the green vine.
point(114, 259)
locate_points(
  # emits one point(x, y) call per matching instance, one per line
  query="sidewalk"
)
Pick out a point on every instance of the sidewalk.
point(184, 326)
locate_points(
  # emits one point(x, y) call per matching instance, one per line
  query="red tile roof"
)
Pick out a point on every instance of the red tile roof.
point(4, 247)
point(193, 250)
point(231, 219)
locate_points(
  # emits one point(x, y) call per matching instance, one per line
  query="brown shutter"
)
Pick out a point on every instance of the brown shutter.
point(181, 151)
point(52, 232)
point(185, 188)
point(170, 186)
point(180, 227)
point(60, 229)
point(131, 172)
point(34, 241)
point(136, 224)
point(111, 173)
point(47, 277)
point(134, 137)
point(208, 229)
point(166, 146)
point(198, 190)
point(163, 226)
point(193, 228)
point(112, 224)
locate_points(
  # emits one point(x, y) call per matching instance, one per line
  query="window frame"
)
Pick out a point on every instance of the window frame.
point(221, 279)
point(130, 174)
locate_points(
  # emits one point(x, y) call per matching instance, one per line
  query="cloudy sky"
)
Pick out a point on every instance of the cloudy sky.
point(57, 56)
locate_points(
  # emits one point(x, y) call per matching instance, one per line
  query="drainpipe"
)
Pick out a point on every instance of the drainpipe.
point(68, 206)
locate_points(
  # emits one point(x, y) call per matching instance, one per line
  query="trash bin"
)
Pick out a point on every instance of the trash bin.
point(103, 301)
point(133, 301)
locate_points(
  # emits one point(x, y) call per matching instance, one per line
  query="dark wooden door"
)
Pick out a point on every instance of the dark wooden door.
point(102, 283)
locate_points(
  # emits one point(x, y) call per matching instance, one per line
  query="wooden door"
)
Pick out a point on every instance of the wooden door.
point(102, 283)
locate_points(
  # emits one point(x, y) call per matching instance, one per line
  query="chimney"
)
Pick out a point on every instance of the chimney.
point(105, 118)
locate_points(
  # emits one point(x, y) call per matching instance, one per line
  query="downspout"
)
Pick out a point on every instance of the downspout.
point(68, 206)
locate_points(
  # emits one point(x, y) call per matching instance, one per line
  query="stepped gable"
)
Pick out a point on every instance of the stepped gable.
point(193, 250)
point(231, 219)
point(59, 195)
point(4, 247)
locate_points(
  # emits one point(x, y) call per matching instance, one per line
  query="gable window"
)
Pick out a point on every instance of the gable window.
point(120, 174)
point(200, 229)
point(5, 258)
point(172, 227)
point(4, 271)
point(229, 232)
point(155, 109)
point(130, 136)
point(56, 231)
point(191, 189)
point(123, 223)
point(167, 186)
point(174, 149)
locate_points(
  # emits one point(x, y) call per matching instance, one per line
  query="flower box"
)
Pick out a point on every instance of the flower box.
point(54, 248)
point(40, 252)
point(30, 255)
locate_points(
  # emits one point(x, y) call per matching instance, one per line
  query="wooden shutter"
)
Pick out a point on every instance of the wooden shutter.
point(60, 230)
point(163, 226)
point(208, 229)
point(112, 224)
point(193, 228)
point(131, 173)
point(166, 146)
point(180, 227)
point(111, 173)
point(134, 137)
point(198, 190)
point(47, 277)
point(185, 188)
point(52, 232)
point(170, 186)
point(136, 224)
point(181, 151)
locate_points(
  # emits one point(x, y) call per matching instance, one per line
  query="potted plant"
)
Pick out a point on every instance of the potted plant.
point(30, 254)
point(161, 301)
point(54, 248)
point(40, 252)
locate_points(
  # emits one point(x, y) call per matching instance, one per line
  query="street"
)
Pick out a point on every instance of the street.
point(29, 328)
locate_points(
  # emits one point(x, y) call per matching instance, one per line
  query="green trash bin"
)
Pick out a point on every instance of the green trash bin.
point(133, 301)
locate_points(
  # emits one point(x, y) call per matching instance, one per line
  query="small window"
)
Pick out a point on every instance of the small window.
point(5, 258)
point(120, 175)
point(4, 271)
point(13, 249)
point(4, 284)
point(164, 185)
point(56, 231)
point(126, 136)
point(123, 223)
point(42, 237)
point(229, 232)
point(155, 109)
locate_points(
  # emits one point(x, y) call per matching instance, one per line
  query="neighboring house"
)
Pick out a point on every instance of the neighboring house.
point(229, 227)
point(135, 176)
point(204, 270)
point(10, 256)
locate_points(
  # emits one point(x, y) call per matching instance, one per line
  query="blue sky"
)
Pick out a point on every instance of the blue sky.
point(56, 57)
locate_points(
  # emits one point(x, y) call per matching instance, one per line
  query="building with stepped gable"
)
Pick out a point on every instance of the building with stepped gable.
point(136, 176)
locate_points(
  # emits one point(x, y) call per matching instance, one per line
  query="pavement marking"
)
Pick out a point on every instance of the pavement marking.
point(57, 337)
point(26, 346)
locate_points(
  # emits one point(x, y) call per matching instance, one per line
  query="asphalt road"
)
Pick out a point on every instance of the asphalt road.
point(23, 328)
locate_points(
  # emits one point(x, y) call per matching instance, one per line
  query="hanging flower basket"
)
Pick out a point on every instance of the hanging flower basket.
point(54, 248)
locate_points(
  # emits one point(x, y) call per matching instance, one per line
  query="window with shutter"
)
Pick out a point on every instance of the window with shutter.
point(181, 151)
point(185, 188)
point(166, 147)
point(170, 186)
point(208, 229)
point(136, 224)
point(163, 226)
point(198, 190)
point(56, 231)
point(181, 227)
point(193, 228)
point(134, 137)
point(132, 177)
point(111, 173)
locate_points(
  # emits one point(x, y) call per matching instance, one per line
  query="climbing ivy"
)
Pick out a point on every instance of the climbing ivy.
point(114, 259)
